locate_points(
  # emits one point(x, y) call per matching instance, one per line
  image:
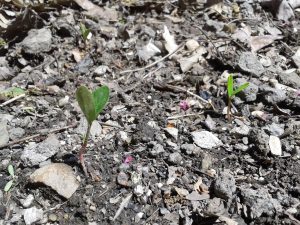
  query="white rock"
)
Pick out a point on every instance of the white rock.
point(205, 139)
point(192, 44)
point(60, 177)
point(4, 137)
point(172, 131)
point(275, 145)
point(63, 101)
point(139, 190)
point(101, 70)
point(32, 215)
point(27, 201)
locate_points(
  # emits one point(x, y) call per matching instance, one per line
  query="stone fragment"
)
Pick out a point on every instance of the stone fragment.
point(35, 154)
point(289, 78)
point(275, 145)
point(195, 196)
point(224, 186)
point(16, 133)
point(5, 73)
point(250, 64)
point(37, 41)
point(206, 139)
point(32, 215)
point(4, 136)
point(122, 179)
point(172, 131)
point(175, 158)
point(296, 58)
point(259, 202)
point(60, 177)
point(27, 201)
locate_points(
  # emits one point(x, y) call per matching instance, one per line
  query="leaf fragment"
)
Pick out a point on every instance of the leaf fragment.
point(86, 102)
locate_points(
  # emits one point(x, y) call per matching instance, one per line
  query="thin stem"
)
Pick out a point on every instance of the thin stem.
point(229, 109)
point(83, 149)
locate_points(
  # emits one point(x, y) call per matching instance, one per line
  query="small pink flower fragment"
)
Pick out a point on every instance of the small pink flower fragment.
point(128, 159)
point(184, 105)
point(297, 93)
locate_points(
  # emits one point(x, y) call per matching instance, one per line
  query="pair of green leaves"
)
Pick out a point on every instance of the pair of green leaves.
point(230, 87)
point(84, 31)
point(92, 103)
point(12, 174)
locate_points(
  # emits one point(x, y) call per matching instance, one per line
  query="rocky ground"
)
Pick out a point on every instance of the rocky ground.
point(163, 151)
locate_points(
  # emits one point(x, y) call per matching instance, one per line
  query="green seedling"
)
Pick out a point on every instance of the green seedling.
point(91, 104)
point(10, 183)
point(232, 92)
point(85, 32)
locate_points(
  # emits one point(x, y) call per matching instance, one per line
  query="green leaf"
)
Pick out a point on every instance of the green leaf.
point(8, 185)
point(11, 171)
point(84, 31)
point(100, 96)
point(230, 85)
point(240, 88)
point(86, 103)
point(12, 92)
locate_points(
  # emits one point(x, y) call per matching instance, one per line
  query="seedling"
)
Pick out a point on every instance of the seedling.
point(85, 32)
point(91, 104)
point(10, 183)
point(232, 92)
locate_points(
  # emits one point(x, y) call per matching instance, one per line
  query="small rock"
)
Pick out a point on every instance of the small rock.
point(122, 179)
point(192, 44)
point(16, 133)
point(5, 73)
point(172, 131)
point(215, 207)
point(250, 64)
point(205, 139)
point(175, 158)
point(296, 58)
point(60, 177)
point(101, 70)
point(259, 202)
point(291, 79)
point(274, 129)
point(27, 201)
point(63, 101)
point(37, 41)
point(195, 196)
point(240, 130)
point(33, 215)
point(4, 137)
point(138, 190)
point(272, 95)
point(275, 145)
point(224, 186)
point(156, 150)
point(206, 161)
point(52, 217)
point(210, 123)
point(190, 149)
point(34, 154)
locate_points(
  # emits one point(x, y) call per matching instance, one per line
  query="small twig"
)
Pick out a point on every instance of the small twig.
point(41, 133)
point(190, 93)
point(182, 116)
point(123, 204)
point(154, 63)
point(12, 100)
point(150, 217)
point(110, 125)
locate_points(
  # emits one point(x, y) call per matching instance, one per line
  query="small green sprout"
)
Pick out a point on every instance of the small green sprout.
point(91, 104)
point(85, 32)
point(10, 183)
point(232, 92)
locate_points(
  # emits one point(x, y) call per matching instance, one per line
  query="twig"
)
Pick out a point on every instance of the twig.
point(182, 116)
point(154, 63)
point(150, 217)
point(41, 133)
point(123, 204)
point(190, 93)
point(12, 100)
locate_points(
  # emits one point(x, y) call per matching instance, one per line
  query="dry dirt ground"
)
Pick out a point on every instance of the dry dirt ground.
point(163, 151)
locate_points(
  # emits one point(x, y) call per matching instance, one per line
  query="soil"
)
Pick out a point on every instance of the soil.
point(163, 151)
